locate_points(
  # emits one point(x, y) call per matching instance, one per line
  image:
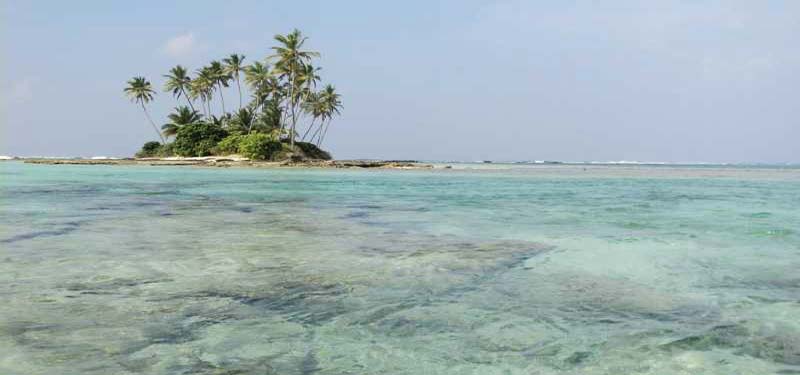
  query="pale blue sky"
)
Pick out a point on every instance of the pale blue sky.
point(715, 81)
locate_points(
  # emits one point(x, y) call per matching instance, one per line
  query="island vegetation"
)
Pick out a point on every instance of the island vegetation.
point(287, 115)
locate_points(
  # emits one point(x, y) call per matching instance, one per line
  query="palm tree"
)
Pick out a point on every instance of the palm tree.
point(332, 104)
point(202, 86)
point(220, 78)
point(221, 121)
point(140, 91)
point(233, 66)
point(267, 91)
point(178, 82)
point(269, 120)
point(307, 82)
point(183, 116)
point(314, 107)
point(309, 77)
point(243, 120)
point(290, 62)
point(256, 75)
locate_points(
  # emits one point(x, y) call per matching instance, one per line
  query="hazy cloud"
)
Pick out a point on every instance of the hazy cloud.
point(181, 45)
point(21, 91)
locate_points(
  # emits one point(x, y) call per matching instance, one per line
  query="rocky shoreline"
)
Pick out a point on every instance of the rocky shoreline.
point(240, 162)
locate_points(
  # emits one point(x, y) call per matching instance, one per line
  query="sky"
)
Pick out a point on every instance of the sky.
point(672, 81)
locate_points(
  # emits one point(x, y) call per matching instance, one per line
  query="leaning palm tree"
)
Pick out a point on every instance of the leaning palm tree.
point(332, 104)
point(140, 91)
point(233, 67)
point(196, 92)
point(291, 61)
point(183, 116)
point(202, 87)
point(314, 107)
point(308, 77)
point(257, 76)
point(307, 82)
point(178, 83)
point(220, 78)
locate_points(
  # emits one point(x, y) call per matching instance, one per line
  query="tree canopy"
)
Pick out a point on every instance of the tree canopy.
point(282, 89)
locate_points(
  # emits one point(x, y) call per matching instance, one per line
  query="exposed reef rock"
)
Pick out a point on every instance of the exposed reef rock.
point(224, 161)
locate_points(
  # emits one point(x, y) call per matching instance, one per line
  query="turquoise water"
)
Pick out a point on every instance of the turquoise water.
point(498, 270)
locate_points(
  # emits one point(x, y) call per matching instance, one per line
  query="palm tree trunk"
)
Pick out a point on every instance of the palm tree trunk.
point(291, 100)
point(240, 91)
point(187, 99)
point(255, 116)
point(316, 132)
point(322, 138)
point(282, 118)
point(154, 124)
point(221, 98)
point(309, 129)
point(294, 124)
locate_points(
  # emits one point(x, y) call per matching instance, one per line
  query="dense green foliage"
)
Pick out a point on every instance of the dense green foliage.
point(259, 146)
point(229, 145)
point(182, 116)
point(154, 149)
point(198, 139)
point(149, 150)
point(284, 101)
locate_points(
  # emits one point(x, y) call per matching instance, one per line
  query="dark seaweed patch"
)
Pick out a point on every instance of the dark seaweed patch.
point(366, 206)
point(356, 215)
point(304, 303)
point(67, 228)
point(144, 204)
point(18, 330)
point(298, 302)
point(172, 334)
point(781, 346)
point(163, 192)
point(309, 364)
point(111, 286)
point(100, 208)
point(578, 358)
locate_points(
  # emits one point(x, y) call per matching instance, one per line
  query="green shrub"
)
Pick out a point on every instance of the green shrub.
point(205, 147)
point(285, 152)
point(259, 146)
point(198, 139)
point(229, 145)
point(311, 151)
point(166, 151)
point(149, 150)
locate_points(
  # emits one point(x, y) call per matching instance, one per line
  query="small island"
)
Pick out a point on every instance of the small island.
point(236, 161)
point(285, 119)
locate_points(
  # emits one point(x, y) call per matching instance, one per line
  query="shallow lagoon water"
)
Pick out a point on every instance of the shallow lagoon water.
point(475, 270)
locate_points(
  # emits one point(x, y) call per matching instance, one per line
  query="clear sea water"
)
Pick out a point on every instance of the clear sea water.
point(472, 270)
